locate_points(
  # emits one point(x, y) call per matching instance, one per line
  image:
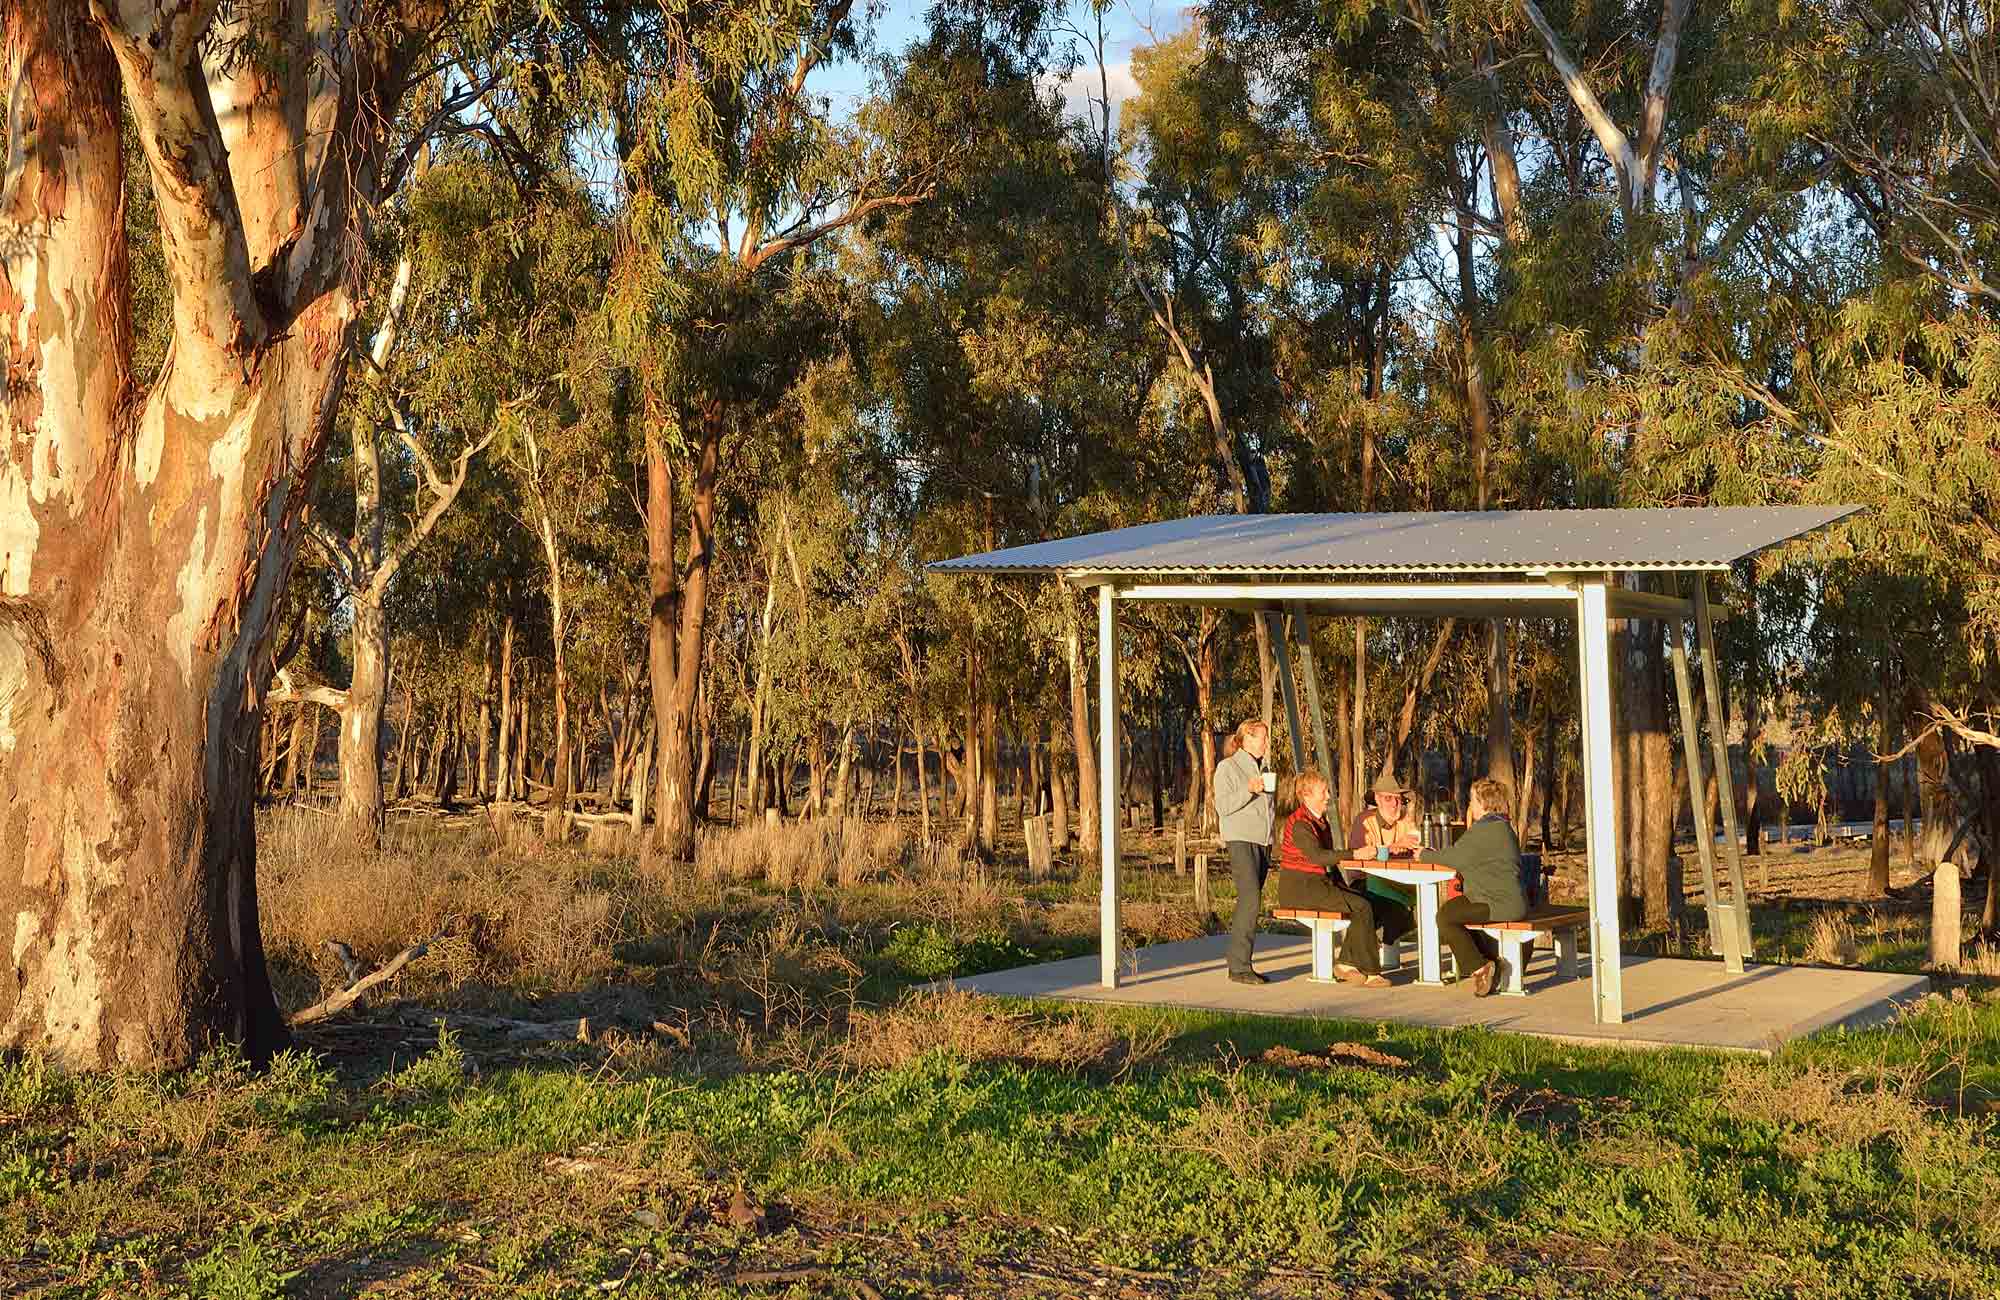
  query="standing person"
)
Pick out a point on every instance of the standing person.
point(1309, 878)
point(1243, 806)
point(1487, 859)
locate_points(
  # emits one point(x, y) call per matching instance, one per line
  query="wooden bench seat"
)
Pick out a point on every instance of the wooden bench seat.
point(1327, 928)
point(1553, 921)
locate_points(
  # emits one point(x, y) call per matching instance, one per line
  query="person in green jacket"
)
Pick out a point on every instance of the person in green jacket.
point(1487, 859)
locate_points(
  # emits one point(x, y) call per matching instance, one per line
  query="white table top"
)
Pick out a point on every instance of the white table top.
point(1403, 873)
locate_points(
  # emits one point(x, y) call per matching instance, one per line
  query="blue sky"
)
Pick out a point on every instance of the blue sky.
point(1129, 25)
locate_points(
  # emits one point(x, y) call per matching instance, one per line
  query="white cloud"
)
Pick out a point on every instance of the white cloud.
point(1083, 88)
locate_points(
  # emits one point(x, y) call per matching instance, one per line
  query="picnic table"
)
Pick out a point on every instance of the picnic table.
point(1555, 922)
point(1429, 880)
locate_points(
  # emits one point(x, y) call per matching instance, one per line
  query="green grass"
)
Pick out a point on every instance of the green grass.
point(947, 1145)
point(1487, 1165)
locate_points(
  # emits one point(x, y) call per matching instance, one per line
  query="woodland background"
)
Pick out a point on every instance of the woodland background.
point(583, 386)
point(1366, 257)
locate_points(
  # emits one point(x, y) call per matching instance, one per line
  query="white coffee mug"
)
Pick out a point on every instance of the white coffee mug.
point(1270, 783)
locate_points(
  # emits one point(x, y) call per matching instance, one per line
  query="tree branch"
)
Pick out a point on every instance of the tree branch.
point(216, 316)
point(1612, 140)
point(444, 495)
point(288, 692)
point(1659, 84)
point(342, 556)
point(856, 213)
point(425, 465)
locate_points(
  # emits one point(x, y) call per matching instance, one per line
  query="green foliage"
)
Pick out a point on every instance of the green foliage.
point(240, 1267)
point(878, 331)
point(438, 1072)
point(923, 952)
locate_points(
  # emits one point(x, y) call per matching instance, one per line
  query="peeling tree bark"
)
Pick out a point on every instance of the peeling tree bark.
point(147, 537)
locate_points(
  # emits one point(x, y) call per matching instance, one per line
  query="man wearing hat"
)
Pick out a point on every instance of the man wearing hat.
point(1390, 822)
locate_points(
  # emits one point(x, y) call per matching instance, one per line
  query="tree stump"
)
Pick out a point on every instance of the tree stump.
point(1040, 855)
point(1946, 917)
point(770, 819)
point(1180, 850)
point(1201, 903)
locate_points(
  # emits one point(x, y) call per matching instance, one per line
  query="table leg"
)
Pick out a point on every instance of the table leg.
point(1430, 965)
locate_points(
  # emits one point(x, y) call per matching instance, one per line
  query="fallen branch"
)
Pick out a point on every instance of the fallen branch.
point(601, 819)
point(519, 1031)
point(285, 691)
point(339, 1002)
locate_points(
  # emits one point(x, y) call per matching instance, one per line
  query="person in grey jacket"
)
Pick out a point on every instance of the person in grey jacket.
point(1487, 859)
point(1244, 790)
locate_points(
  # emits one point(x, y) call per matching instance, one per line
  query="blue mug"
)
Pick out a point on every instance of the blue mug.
point(1381, 853)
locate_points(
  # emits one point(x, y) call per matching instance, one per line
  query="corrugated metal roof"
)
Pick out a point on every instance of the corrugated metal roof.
point(1452, 541)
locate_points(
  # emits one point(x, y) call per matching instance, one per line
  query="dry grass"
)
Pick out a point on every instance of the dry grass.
point(495, 915)
point(1825, 1113)
point(1825, 1108)
point(811, 855)
point(756, 953)
point(1846, 937)
point(1833, 940)
point(1982, 959)
point(1239, 1131)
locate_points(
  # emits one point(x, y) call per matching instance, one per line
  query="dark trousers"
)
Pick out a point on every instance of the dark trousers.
point(1367, 916)
point(1248, 865)
point(1470, 950)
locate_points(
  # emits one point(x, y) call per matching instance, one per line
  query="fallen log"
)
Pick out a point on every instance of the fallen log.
point(347, 997)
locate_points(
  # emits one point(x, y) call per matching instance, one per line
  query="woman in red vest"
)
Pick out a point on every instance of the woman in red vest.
point(1310, 878)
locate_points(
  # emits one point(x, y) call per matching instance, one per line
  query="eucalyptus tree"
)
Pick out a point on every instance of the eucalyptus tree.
point(1195, 248)
point(150, 528)
point(429, 380)
point(564, 461)
point(733, 172)
point(1009, 385)
point(1903, 101)
point(1903, 97)
point(1372, 117)
point(1856, 364)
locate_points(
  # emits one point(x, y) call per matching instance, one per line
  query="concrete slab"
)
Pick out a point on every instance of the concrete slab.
point(1668, 1002)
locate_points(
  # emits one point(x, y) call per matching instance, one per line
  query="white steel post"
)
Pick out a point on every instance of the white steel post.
point(1109, 789)
point(1600, 802)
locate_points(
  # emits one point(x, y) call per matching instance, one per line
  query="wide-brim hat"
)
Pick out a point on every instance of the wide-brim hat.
point(1388, 784)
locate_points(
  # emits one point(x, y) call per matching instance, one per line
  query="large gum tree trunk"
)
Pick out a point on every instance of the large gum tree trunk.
point(147, 537)
point(1940, 815)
